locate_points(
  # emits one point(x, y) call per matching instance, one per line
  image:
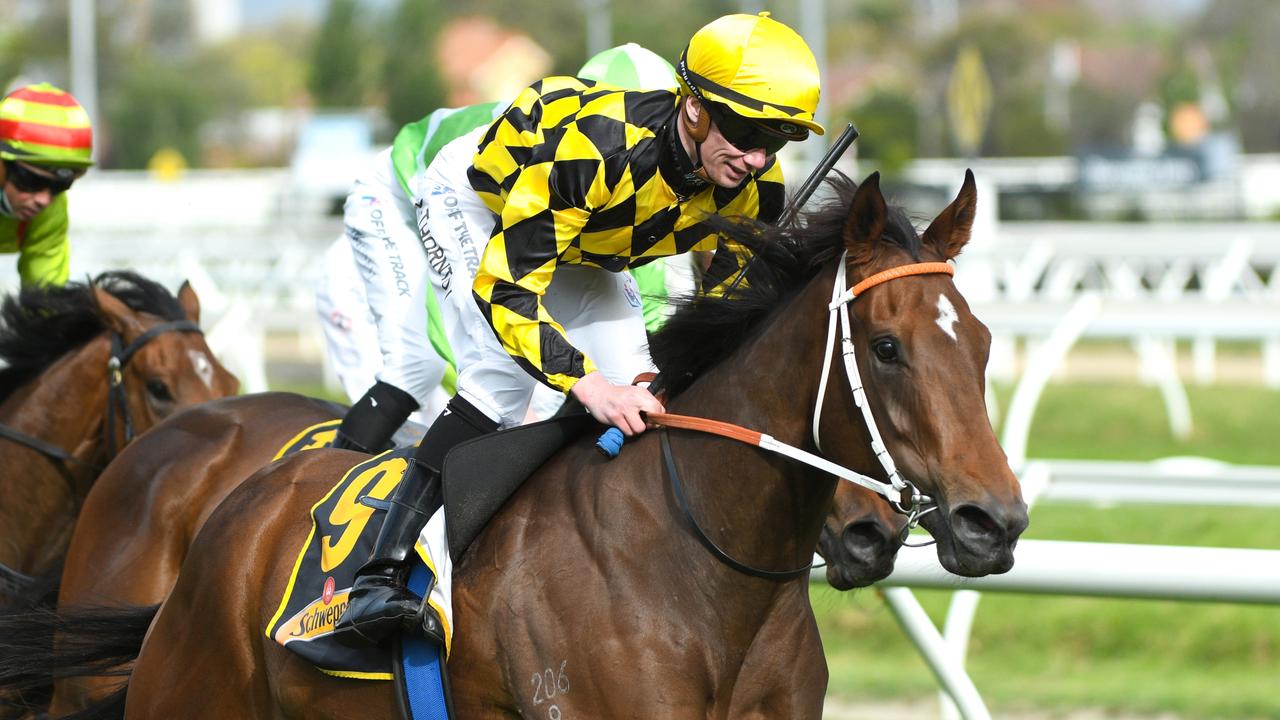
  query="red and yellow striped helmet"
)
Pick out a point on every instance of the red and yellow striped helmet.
point(44, 125)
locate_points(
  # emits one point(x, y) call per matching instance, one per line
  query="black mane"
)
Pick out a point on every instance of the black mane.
point(704, 330)
point(40, 324)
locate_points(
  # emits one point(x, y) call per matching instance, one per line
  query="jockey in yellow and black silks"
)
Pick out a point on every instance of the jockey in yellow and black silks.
point(571, 185)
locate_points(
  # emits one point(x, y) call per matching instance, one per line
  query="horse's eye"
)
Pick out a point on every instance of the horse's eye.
point(886, 350)
point(159, 391)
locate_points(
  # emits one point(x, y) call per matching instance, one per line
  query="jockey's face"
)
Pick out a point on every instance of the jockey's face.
point(30, 188)
point(726, 164)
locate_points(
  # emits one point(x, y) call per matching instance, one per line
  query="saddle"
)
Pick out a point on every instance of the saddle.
point(479, 477)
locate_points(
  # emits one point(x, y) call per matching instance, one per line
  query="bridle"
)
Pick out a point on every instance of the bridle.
point(840, 302)
point(116, 402)
point(120, 355)
point(893, 490)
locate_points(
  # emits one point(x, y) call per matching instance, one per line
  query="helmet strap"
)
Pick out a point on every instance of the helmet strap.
point(697, 131)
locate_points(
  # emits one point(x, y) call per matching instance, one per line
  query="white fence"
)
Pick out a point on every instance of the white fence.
point(1091, 569)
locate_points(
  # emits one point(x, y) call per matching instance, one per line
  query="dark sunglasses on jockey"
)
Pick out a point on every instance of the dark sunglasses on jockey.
point(29, 181)
point(747, 135)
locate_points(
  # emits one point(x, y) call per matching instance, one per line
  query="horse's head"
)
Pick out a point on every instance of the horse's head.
point(860, 537)
point(922, 356)
point(164, 362)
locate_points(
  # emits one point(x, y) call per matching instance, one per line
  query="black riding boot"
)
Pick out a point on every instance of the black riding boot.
point(380, 604)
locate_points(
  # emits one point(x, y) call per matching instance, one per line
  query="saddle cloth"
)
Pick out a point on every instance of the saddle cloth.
point(480, 475)
point(345, 523)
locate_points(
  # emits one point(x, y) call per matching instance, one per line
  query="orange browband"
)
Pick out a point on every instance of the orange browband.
point(924, 268)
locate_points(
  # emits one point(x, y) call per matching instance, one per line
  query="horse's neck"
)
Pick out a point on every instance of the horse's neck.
point(65, 404)
point(770, 508)
point(61, 408)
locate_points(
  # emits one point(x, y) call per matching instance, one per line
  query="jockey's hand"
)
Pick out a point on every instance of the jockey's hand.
point(616, 405)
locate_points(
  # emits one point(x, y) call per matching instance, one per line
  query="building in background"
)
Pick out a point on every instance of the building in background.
point(482, 61)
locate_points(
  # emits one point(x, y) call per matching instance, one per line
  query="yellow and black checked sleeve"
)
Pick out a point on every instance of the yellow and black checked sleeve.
point(543, 201)
point(538, 225)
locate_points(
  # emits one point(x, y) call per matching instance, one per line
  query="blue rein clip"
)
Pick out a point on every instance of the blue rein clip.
point(610, 442)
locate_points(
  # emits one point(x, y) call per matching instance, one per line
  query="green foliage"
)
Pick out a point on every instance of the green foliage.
point(337, 77)
point(1013, 57)
point(887, 127)
point(1100, 118)
point(1019, 127)
point(1242, 35)
point(1179, 84)
point(413, 84)
point(160, 106)
point(10, 57)
point(268, 68)
point(889, 16)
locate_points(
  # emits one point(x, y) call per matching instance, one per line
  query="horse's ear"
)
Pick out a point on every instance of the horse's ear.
point(866, 221)
point(189, 301)
point(116, 315)
point(950, 230)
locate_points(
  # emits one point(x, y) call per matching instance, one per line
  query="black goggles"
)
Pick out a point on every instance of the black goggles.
point(747, 135)
point(29, 181)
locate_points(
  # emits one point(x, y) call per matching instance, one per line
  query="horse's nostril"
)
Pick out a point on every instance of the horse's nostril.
point(974, 522)
point(865, 537)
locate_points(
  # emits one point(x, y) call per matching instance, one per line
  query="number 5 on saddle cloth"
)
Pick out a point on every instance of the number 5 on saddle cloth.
point(346, 521)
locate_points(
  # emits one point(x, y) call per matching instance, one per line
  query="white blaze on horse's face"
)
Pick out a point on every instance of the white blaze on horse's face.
point(948, 318)
point(203, 367)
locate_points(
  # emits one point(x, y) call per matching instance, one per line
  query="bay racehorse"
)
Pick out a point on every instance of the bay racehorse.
point(87, 367)
point(150, 502)
point(591, 574)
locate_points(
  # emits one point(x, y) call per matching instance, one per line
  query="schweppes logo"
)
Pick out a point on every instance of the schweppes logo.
point(315, 620)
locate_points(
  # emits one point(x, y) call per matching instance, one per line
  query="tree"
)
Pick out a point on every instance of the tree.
point(409, 75)
point(1242, 34)
point(887, 125)
point(160, 106)
point(337, 70)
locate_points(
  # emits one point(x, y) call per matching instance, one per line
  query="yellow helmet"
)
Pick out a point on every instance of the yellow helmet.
point(757, 67)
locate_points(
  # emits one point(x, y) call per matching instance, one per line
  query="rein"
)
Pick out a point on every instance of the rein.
point(115, 376)
point(120, 355)
point(893, 490)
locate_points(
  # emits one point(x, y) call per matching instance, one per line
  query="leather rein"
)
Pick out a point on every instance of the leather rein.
point(116, 402)
point(914, 506)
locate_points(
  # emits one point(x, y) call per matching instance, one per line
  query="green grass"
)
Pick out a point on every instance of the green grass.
point(1195, 660)
point(1115, 421)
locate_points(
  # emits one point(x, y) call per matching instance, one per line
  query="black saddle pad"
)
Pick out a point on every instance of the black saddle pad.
point(481, 474)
